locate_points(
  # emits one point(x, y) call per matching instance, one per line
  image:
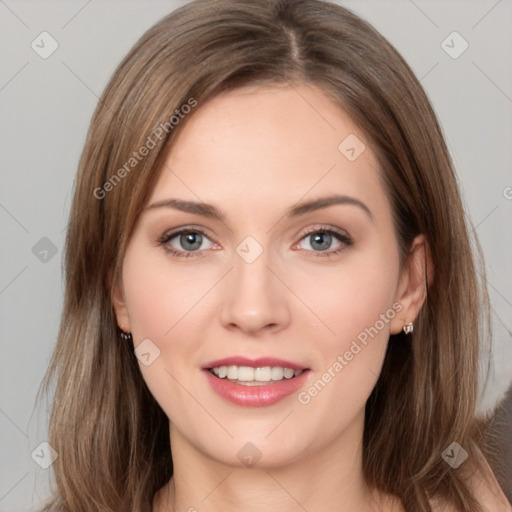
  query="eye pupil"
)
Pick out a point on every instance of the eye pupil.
point(194, 239)
point(323, 239)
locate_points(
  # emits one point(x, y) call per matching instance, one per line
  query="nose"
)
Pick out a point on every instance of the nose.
point(256, 300)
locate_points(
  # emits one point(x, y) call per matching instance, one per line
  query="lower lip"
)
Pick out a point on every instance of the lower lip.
point(256, 396)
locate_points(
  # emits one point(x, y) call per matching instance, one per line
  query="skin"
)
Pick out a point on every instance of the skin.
point(254, 153)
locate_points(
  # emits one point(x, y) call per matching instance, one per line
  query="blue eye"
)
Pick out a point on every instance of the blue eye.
point(190, 240)
point(321, 240)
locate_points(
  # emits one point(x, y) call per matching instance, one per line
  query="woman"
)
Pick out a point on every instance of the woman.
point(271, 301)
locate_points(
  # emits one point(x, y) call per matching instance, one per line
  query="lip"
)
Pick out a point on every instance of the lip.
point(255, 396)
point(259, 362)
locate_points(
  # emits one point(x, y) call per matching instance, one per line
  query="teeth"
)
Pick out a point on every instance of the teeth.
point(232, 372)
point(262, 374)
point(288, 373)
point(277, 373)
point(249, 374)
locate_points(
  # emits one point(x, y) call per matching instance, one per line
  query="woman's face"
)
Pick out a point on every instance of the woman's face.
point(253, 277)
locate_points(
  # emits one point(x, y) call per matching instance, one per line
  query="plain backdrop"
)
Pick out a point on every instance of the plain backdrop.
point(46, 105)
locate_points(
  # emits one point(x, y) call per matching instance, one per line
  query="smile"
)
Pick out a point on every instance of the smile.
point(248, 376)
point(259, 382)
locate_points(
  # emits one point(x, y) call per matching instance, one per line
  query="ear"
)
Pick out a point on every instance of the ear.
point(119, 305)
point(416, 276)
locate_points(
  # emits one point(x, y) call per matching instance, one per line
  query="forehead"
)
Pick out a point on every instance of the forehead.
point(261, 149)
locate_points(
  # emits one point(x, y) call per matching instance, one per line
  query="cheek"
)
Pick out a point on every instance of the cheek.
point(161, 295)
point(168, 302)
point(165, 302)
point(356, 303)
point(352, 299)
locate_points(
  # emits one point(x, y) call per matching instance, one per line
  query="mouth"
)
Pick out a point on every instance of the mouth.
point(259, 376)
point(255, 382)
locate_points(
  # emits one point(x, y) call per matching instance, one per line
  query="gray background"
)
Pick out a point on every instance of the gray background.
point(45, 108)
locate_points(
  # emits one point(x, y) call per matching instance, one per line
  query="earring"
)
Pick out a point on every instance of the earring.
point(127, 336)
point(408, 328)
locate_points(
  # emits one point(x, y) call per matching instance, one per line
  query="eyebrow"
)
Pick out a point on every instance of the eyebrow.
point(210, 211)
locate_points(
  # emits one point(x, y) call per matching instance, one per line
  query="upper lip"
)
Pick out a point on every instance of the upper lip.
point(259, 362)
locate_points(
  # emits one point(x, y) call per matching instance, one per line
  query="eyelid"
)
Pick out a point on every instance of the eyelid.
point(341, 235)
point(325, 229)
point(173, 233)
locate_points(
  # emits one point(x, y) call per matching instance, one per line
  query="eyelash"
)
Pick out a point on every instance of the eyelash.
point(342, 237)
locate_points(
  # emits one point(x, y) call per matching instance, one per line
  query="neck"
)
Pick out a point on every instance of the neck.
point(326, 479)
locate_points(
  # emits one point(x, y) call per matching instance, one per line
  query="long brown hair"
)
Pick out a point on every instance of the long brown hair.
point(111, 436)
